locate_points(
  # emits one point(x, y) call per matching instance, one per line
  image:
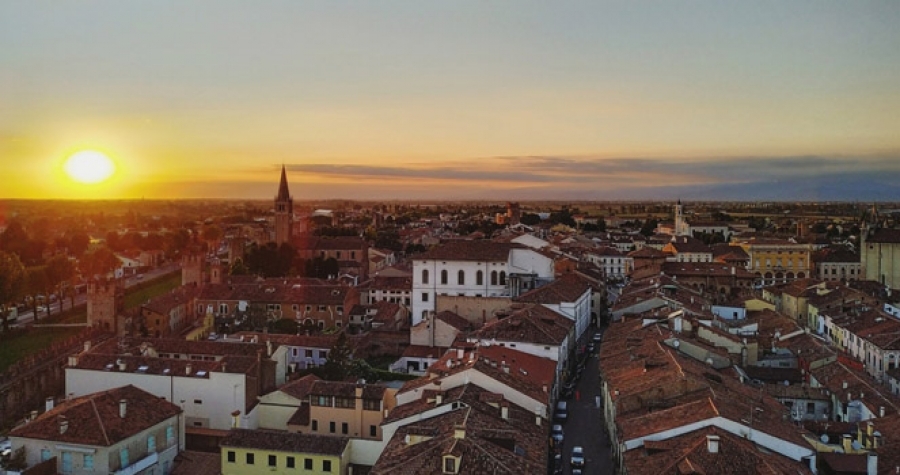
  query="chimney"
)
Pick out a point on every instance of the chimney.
point(123, 408)
point(460, 353)
point(63, 424)
point(73, 361)
point(537, 416)
point(438, 399)
point(872, 463)
point(236, 419)
point(269, 348)
point(87, 346)
point(712, 444)
point(122, 365)
point(459, 432)
point(188, 369)
point(845, 384)
point(846, 442)
point(33, 416)
point(504, 412)
point(48, 404)
point(881, 411)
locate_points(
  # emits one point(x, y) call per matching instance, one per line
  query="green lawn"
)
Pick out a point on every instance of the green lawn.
point(20, 344)
point(156, 287)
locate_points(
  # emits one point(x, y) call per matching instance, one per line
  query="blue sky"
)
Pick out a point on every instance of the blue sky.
point(451, 99)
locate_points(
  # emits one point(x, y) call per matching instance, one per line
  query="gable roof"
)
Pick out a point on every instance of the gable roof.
point(530, 324)
point(281, 441)
point(567, 288)
point(489, 443)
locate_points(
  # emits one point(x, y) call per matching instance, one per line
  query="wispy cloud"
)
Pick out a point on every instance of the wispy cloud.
point(619, 172)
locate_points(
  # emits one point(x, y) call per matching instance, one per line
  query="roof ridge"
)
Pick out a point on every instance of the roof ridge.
point(100, 419)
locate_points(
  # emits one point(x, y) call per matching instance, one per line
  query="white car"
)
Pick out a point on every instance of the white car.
point(577, 460)
point(557, 434)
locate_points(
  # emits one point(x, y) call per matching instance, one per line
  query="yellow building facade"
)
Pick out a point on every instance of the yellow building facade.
point(249, 452)
point(777, 260)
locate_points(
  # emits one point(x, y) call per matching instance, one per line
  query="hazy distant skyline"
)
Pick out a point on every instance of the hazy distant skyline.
point(454, 100)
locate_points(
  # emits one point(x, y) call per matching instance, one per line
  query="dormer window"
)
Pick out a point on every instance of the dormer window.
point(451, 464)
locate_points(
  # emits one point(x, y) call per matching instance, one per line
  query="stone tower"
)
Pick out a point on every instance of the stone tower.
point(104, 302)
point(284, 211)
point(680, 224)
point(215, 272)
point(191, 269)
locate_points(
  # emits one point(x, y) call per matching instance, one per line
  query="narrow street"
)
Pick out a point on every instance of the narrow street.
point(585, 426)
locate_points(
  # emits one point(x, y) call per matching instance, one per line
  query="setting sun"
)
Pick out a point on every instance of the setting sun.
point(89, 166)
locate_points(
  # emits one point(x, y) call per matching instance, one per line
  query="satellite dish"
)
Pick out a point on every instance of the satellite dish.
point(856, 445)
point(824, 438)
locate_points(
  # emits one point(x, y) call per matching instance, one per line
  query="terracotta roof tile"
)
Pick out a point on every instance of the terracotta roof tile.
point(95, 419)
point(281, 441)
point(491, 444)
point(567, 288)
point(471, 251)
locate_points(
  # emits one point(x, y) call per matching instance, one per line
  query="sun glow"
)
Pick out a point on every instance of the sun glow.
point(89, 167)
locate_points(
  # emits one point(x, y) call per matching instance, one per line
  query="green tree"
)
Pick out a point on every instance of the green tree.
point(287, 326)
point(649, 227)
point(99, 262)
point(339, 362)
point(530, 219)
point(12, 280)
point(36, 285)
point(78, 243)
point(60, 272)
point(212, 234)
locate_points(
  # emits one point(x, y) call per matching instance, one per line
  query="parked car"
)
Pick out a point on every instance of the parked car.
point(557, 434)
point(577, 459)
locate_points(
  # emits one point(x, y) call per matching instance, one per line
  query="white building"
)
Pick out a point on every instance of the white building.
point(120, 431)
point(475, 269)
point(570, 296)
point(215, 391)
point(612, 261)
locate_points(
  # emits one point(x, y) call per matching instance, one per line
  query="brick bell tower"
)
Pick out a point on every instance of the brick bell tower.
point(284, 211)
point(104, 303)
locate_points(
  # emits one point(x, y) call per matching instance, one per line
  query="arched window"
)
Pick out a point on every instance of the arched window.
point(503, 277)
point(444, 277)
point(424, 276)
point(461, 277)
point(479, 278)
point(493, 277)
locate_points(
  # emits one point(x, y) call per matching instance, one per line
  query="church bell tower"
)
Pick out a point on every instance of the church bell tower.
point(284, 211)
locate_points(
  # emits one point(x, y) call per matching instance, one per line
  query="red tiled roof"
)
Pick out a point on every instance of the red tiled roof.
point(567, 288)
point(453, 319)
point(281, 441)
point(885, 236)
point(689, 453)
point(532, 324)
point(299, 388)
point(275, 292)
point(492, 444)
point(470, 251)
point(95, 419)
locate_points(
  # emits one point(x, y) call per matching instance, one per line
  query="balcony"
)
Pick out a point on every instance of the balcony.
point(140, 465)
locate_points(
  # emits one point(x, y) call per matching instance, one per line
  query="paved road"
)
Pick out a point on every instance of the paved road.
point(27, 316)
point(585, 424)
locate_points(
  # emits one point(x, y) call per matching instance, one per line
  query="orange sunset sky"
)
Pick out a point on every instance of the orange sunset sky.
point(452, 100)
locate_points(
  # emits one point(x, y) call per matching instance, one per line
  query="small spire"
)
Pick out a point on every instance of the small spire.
point(283, 193)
